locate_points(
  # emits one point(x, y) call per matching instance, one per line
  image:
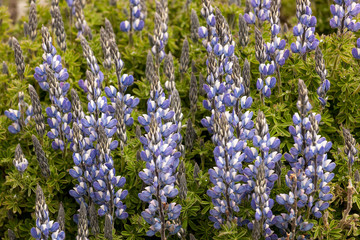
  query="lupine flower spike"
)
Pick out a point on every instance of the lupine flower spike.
point(150, 68)
point(304, 31)
point(58, 26)
point(98, 127)
point(260, 12)
point(160, 37)
point(40, 156)
point(276, 48)
point(310, 171)
point(193, 95)
point(21, 117)
point(61, 218)
point(26, 29)
point(54, 4)
point(344, 15)
point(351, 153)
point(322, 72)
point(350, 148)
point(261, 177)
point(4, 69)
point(194, 26)
point(162, 158)
point(105, 41)
point(32, 21)
point(20, 162)
point(175, 106)
point(83, 231)
point(208, 33)
point(243, 31)
point(190, 136)
point(37, 109)
point(44, 227)
point(121, 104)
point(184, 58)
point(94, 224)
point(51, 77)
point(226, 193)
point(168, 71)
point(19, 59)
point(11, 235)
point(136, 20)
point(108, 228)
point(80, 24)
point(266, 82)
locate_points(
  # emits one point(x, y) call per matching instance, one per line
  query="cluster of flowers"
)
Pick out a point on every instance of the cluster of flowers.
point(273, 52)
point(51, 77)
point(344, 12)
point(304, 31)
point(322, 72)
point(266, 82)
point(44, 227)
point(19, 117)
point(20, 162)
point(160, 37)
point(92, 146)
point(310, 171)
point(162, 159)
point(275, 49)
point(230, 149)
point(261, 9)
point(136, 21)
point(260, 177)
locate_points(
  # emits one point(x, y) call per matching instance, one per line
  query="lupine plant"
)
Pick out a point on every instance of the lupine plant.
point(97, 129)
point(270, 51)
point(51, 77)
point(261, 176)
point(162, 159)
point(310, 174)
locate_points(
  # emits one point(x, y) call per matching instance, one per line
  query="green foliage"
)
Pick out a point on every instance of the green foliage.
point(17, 193)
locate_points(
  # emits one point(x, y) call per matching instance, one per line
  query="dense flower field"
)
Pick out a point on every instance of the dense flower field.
point(180, 120)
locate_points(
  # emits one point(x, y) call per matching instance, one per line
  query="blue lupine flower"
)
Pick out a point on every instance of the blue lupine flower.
point(160, 37)
point(344, 13)
point(261, 11)
point(19, 117)
point(136, 21)
point(208, 33)
point(310, 170)
point(162, 158)
point(20, 162)
point(51, 77)
point(227, 192)
point(44, 227)
point(92, 144)
point(260, 177)
point(275, 49)
point(356, 51)
point(322, 72)
point(304, 31)
point(224, 88)
point(263, 53)
point(121, 104)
